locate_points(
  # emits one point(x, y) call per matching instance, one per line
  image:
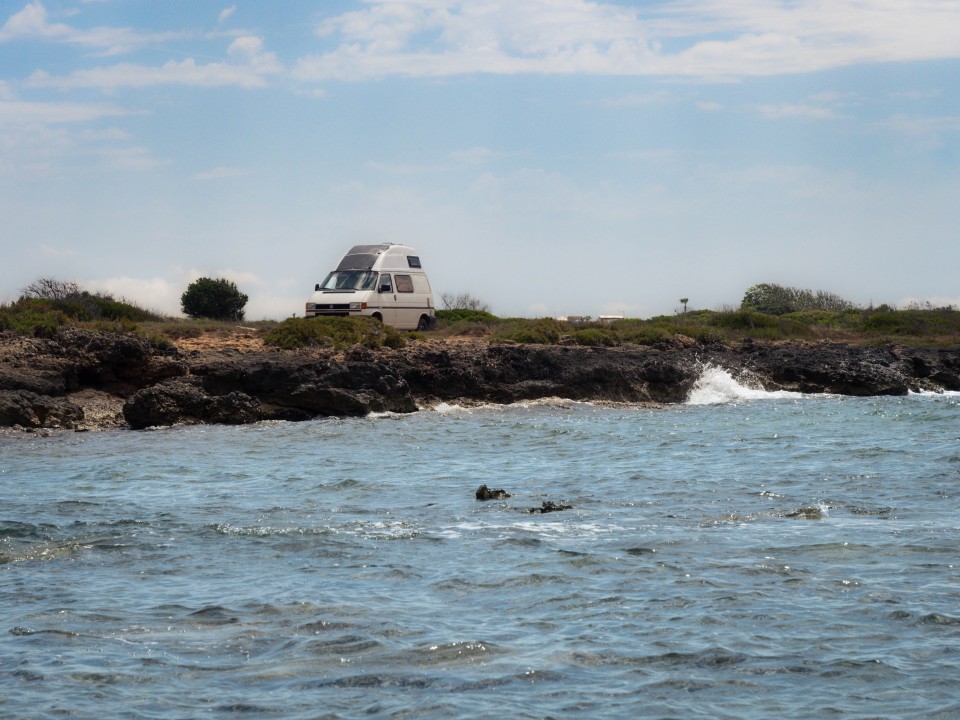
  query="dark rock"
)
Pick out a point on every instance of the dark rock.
point(549, 506)
point(30, 410)
point(485, 493)
point(161, 387)
point(185, 401)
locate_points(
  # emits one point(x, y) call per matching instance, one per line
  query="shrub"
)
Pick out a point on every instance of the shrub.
point(332, 332)
point(30, 316)
point(214, 299)
point(545, 331)
point(458, 314)
point(776, 299)
point(595, 337)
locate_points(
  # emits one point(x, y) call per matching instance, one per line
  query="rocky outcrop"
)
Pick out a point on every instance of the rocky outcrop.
point(82, 379)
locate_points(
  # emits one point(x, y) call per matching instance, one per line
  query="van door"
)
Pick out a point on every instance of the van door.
point(408, 307)
point(386, 295)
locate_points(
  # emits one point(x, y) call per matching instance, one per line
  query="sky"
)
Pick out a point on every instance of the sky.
point(548, 157)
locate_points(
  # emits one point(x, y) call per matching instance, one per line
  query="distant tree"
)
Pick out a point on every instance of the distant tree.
point(775, 299)
point(684, 301)
point(463, 301)
point(215, 299)
point(50, 289)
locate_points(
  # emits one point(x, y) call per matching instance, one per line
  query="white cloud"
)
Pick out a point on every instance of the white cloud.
point(226, 14)
point(477, 155)
point(251, 68)
point(50, 251)
point(222, 173)
point(787, 110)
point(923, 127)
point(714, 39)
point(33, 22)
point(162, 294)
point(18, 112)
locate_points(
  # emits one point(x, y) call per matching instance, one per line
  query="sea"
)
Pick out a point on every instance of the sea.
point(743, 555)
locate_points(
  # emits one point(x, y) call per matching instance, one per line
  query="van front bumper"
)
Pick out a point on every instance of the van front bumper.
point(341, 309)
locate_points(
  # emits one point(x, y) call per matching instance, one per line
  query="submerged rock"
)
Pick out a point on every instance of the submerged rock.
point(807, 513)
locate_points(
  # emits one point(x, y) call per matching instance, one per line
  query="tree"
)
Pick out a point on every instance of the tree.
point(50, 289)
point(215, 299)
point(463, 301)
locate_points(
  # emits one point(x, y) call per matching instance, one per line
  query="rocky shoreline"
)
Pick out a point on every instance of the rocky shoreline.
point(86, 380)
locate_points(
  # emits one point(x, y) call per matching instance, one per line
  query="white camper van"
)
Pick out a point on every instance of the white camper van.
point(386, 282)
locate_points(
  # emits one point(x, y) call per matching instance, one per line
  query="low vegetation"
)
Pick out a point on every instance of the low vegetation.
point(916, 325)
point(47, 305)
point(333, 332)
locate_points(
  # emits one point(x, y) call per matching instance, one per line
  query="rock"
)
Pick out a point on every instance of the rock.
point(31, 410)
point(548, 506)
point(185, 401)
point(48, 382)
point(485, 493)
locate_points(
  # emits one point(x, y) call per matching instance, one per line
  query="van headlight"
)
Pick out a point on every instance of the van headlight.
point(356, 307)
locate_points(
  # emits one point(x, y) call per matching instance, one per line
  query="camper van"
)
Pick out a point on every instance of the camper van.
point(386, 282)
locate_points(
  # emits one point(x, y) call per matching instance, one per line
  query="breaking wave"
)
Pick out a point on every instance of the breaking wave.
point(717, 386)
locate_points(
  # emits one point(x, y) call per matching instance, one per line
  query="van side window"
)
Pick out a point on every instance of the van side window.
point(413, 261)
point(404, 283)
point(385, 284)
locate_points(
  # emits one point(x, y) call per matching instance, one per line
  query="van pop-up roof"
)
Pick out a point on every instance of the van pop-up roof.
point(387, 256)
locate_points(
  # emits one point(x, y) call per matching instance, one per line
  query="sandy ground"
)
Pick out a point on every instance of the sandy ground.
point(214, 342)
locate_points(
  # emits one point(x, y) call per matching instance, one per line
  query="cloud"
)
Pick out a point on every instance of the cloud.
point(18, 112)
point(787, 110)
point(249, 68)
point(33, 22)
point(226, 13)
point(715, 39)
point(56, 252)
point(162, 294)
point(222, 173)
point(922, 134)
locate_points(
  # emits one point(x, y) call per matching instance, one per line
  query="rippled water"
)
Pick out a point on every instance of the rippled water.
point(770, 557)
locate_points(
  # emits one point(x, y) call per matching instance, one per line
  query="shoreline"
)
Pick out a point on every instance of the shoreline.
point(92, 380)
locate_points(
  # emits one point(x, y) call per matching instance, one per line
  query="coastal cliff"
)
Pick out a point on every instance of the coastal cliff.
point(81, 379)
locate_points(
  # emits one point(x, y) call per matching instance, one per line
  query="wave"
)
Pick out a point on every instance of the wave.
point(717, 386)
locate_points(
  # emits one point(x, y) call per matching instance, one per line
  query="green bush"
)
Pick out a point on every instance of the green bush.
point(333, 332)
point(215, 299)
point(29, 316)
point(595, 337)
point(743, 320)
point(465, 314)
point(545, 331)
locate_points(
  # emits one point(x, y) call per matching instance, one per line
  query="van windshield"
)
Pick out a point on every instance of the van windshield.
point(350, 280)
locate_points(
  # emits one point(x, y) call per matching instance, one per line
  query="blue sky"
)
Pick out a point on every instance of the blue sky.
point(550, 157)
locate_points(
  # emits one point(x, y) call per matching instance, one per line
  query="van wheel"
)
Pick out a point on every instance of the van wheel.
point(424, 324)
point(378, 317)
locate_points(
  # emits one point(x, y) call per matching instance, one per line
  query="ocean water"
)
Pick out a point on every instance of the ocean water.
point(745, 555)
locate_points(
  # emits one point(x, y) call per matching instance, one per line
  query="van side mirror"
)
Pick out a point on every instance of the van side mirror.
point(316, 288)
